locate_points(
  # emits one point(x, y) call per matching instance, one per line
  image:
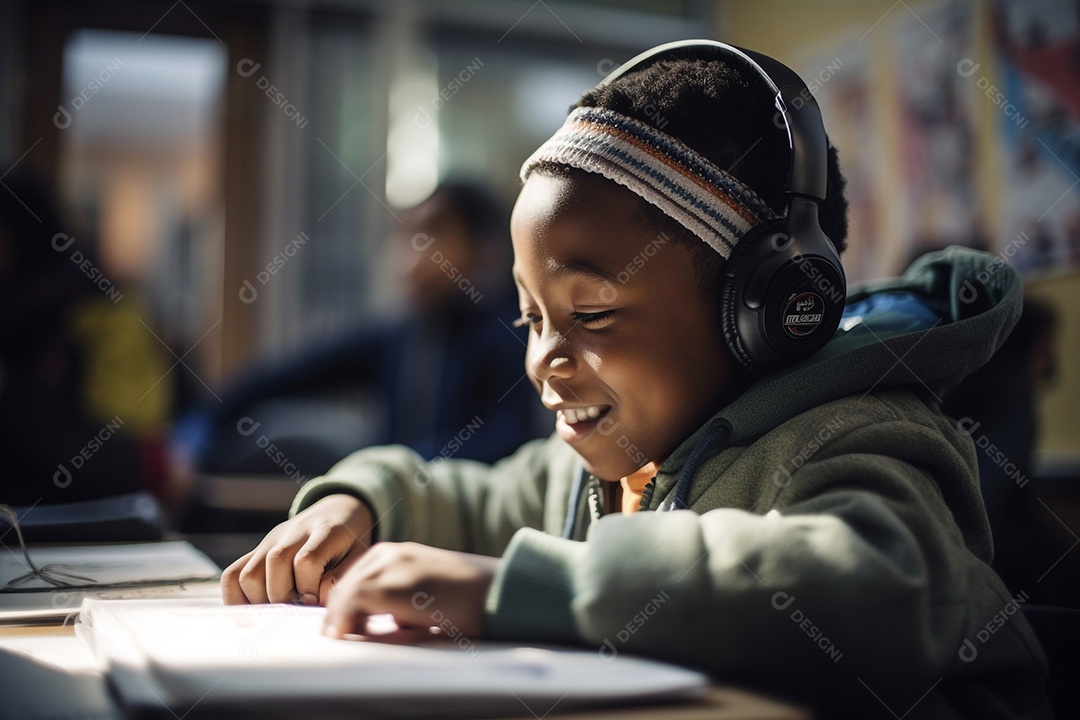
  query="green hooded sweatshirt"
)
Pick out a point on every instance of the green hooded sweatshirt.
point(822, 538)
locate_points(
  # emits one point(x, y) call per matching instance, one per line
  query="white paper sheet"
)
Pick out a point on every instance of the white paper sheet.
point(270, 657)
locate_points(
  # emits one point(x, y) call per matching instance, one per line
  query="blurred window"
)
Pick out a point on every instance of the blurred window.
point(141, 163)
point(366, 109)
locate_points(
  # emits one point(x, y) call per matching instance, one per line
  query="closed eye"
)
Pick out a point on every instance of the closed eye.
point(594, 318)
point(588, 319)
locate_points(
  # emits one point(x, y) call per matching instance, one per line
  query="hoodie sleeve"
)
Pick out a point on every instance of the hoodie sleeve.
point(854, 580)
point(454, 504)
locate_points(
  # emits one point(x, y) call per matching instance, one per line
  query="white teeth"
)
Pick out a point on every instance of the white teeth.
point(577, 415)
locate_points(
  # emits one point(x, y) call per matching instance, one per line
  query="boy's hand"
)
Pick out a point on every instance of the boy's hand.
point(420, 586)
point(289, 563)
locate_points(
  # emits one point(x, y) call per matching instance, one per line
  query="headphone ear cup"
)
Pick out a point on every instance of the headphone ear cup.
point(782, 298)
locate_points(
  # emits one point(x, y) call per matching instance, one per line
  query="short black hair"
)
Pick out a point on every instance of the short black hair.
point(727, 116)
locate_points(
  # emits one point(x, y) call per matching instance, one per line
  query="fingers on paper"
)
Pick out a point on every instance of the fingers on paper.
point(280, 582)
point(231, 591)
point(310, 562)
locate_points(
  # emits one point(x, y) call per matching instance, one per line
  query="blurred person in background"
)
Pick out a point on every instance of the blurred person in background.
point(444, 378)
point(83, 405)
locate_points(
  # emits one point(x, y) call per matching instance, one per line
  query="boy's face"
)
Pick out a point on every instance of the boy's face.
point(621, 341)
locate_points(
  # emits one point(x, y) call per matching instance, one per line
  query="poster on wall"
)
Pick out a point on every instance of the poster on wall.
point(1037, 98)
point(936, 137)
point(840, 79)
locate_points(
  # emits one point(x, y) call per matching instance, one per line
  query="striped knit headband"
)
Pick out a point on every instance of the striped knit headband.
point(687, 187)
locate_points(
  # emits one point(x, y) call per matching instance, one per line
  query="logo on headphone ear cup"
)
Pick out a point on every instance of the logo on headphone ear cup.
point(782, 297)
point(803, 315)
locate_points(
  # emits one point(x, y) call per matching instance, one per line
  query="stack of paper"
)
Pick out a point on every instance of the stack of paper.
point(197, 659)
point(142, 570)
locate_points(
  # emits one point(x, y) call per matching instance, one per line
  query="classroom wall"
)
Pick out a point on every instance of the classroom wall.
point(787, 30)
point(783, 29)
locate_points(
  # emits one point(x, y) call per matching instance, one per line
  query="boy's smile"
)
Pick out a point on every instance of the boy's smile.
point(622, 344)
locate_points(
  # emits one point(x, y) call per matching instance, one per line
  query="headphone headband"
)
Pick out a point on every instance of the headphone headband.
point(806, 133)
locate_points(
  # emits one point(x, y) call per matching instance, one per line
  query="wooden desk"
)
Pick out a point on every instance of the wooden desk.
point(48, 672)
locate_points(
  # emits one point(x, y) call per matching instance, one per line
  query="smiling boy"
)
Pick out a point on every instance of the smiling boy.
point(814, 530)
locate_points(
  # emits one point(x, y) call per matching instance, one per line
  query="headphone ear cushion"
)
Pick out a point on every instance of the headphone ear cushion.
point(729, 301)
point(729, 327)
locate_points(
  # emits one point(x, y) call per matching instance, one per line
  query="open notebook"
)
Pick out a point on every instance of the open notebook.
point(201, 659)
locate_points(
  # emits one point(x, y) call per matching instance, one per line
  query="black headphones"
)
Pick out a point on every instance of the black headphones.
point(784, 286)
